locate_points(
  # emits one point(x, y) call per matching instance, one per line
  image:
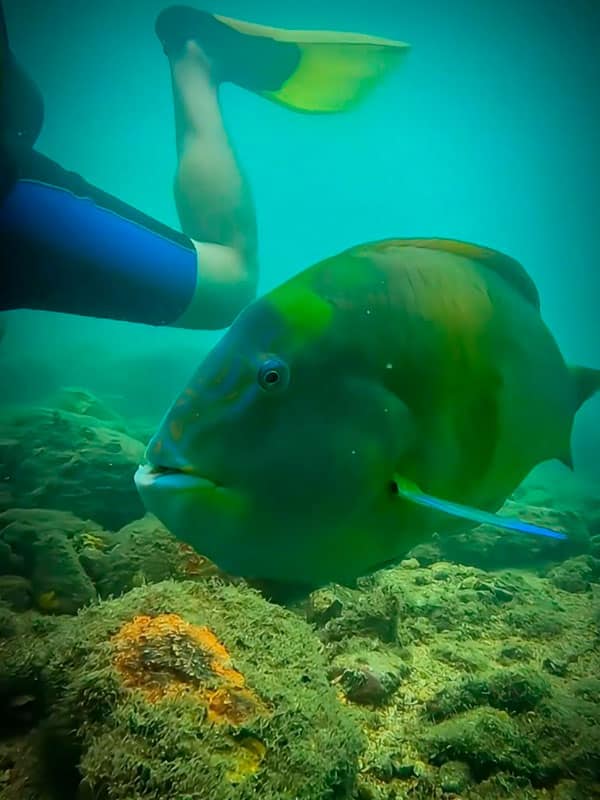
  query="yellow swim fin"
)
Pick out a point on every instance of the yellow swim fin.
point(307, 71)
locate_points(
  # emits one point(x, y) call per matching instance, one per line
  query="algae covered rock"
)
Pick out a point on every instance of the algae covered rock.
point(60, 584)
point(368, 676)
point(15, 592)
point(194, 690)
point(576, 574)
point(512, 690)
point(61, 460)
point(489, 547)
point(68, 562)
point(455, 776)
point(485, 739)
point(340, 612)
point(44, 539)
point(141, 552)
point(78, 400)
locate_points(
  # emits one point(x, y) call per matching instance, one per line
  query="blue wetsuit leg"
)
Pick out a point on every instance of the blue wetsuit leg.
point(67, 246)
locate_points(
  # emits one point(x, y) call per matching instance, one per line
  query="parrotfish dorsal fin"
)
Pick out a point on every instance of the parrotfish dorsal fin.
point(505, 266)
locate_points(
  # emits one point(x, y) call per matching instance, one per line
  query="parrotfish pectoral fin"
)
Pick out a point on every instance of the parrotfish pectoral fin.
point(411, 491)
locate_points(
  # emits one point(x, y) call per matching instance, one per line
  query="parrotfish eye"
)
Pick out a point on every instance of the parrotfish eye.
point(274, 374)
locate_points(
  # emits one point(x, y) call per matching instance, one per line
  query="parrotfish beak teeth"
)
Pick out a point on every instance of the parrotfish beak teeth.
point(149, 476)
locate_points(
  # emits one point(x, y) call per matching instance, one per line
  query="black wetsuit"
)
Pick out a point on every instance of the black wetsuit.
point(67, 246)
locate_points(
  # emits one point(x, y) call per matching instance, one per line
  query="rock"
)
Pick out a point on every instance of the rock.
point(427, 553)
point(455, 776)
point(22, 528)
point(60, 460)
point(374, 615)
point(512, 690)
point(588, 689)
point(77, 400)
point(556, 666)
point(323, 605)
point(142, 552)
point(16, 592)
point(538, 622)
point(60, 584)
point(484, 738)
point(46, 541)
point(576, 574)
point(567, 790)
point(410, 563)
point(489, 547)
point(368, 677)
point(441, 572)
point(8, 622)
point(10, 562)
point(191, 689)
point(511, 653)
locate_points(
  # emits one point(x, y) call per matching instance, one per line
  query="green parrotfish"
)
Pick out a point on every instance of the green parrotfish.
point(367, 402)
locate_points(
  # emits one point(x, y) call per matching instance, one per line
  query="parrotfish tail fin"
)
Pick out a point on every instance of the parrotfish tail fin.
point(308, 71)
point(587, 383)
point(411, 491)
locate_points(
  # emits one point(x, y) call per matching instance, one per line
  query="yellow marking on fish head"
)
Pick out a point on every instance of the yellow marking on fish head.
point(305, 313)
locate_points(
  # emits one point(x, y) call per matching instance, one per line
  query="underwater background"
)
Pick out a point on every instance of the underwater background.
point(471, 670)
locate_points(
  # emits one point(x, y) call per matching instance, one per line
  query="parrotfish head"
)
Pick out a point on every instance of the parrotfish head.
point(283, 441)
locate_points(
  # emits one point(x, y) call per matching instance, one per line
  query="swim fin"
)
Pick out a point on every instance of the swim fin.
point(307, 71)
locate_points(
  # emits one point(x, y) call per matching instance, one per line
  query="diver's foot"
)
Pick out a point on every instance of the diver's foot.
point(258, 63)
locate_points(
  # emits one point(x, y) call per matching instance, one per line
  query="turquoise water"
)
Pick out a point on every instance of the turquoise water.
point(468, 670)
point(488, 133)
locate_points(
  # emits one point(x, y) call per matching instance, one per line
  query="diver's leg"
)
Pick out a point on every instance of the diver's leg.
point(212, 196)
point(68, 246)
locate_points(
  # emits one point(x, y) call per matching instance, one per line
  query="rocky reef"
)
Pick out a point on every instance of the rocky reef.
point(179, 690)
point(131, 669)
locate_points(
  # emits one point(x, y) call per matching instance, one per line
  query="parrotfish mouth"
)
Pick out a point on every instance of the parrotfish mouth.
point(150, 476)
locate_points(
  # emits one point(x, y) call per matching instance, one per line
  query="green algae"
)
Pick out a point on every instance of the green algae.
point(129, 747)
point(512, 690)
